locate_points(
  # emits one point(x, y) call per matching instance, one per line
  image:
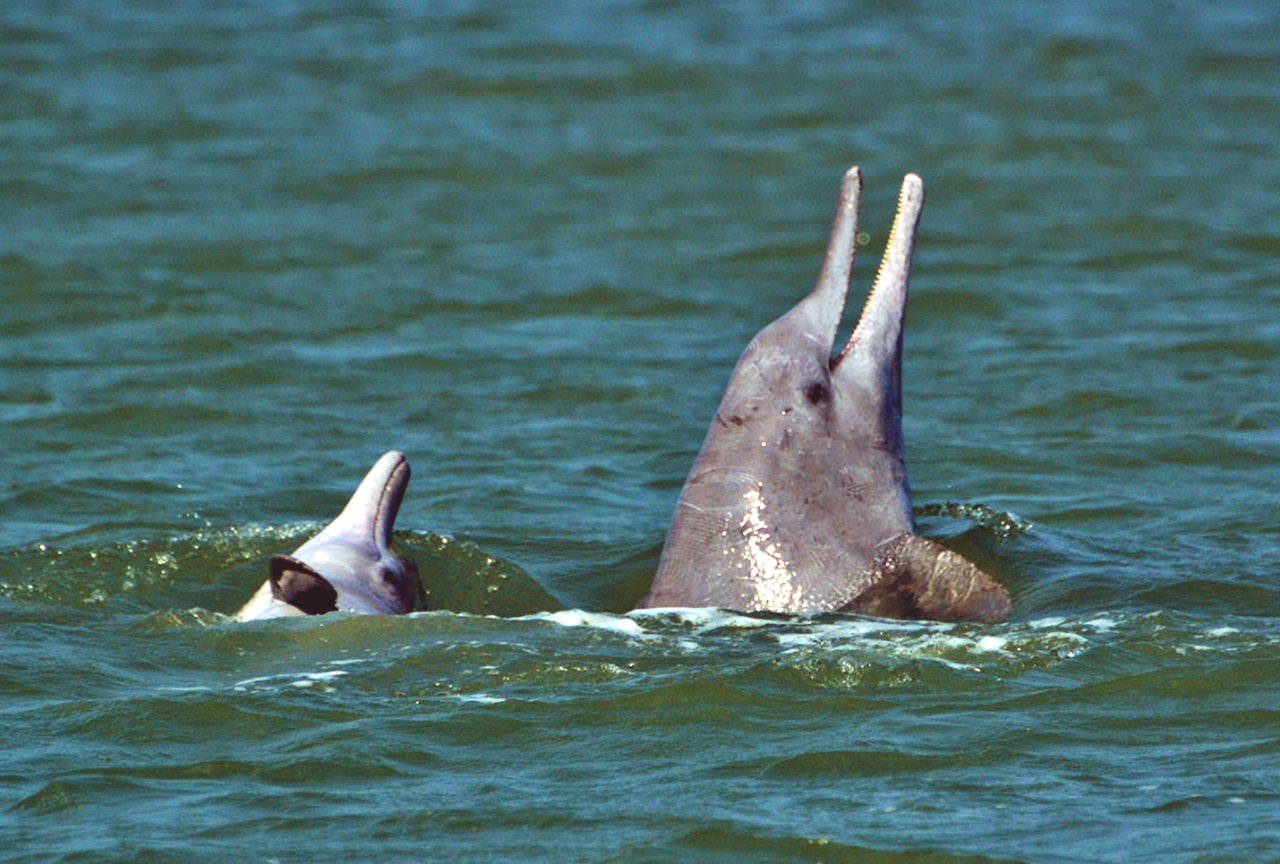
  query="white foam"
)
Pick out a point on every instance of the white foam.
point(249, 682)
point(704, 618)
point(599, 620)
point(308, 679)
point(797, 640)
point(479, 698)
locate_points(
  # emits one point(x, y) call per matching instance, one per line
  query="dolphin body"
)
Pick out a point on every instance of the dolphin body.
point(349, 566)
point(798, 501)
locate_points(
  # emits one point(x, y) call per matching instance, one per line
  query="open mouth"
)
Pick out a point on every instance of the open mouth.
point(881, 317)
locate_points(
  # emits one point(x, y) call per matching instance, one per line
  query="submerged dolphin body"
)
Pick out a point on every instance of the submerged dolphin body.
point(349, 566)
point(799, 500)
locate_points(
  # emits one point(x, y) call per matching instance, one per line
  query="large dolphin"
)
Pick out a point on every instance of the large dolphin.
point(349, 566)
point(799, 501)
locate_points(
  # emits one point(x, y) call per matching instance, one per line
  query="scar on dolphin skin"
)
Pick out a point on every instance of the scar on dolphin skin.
point(349, 566)
point(799, 501)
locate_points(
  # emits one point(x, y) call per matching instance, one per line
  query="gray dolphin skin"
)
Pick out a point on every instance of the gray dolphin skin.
point(798, 501)
point(349, 566)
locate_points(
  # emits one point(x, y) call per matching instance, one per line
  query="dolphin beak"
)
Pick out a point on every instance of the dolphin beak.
point(819, 314)
point(377, 499)
point(877, 340)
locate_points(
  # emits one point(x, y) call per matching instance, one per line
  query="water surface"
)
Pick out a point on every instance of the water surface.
point(245, 250)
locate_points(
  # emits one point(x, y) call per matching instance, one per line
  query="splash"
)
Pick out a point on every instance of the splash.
point(1001, 523)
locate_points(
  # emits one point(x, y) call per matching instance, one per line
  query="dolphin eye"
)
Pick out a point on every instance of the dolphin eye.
point(817, 392)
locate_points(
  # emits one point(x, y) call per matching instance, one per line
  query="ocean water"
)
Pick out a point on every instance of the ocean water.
point(246, 248)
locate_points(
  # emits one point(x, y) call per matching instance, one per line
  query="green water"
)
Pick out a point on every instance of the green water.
point(244, 249)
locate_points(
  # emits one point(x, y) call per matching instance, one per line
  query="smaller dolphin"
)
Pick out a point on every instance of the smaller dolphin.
point(799, 500)
point(349, 566)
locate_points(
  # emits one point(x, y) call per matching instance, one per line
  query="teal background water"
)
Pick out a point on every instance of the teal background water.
point(245, 248)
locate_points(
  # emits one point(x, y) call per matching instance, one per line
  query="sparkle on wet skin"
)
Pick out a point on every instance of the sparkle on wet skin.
point(771, 578)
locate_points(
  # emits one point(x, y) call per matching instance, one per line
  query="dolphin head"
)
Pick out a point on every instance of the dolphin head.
point(791, 388)
point(799, 499)
point(349, 566)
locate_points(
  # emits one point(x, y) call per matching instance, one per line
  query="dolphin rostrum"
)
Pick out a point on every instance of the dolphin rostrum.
point(349, 566)
point(799, 500)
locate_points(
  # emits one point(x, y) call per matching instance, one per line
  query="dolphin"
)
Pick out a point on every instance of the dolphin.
point(798, 501)
point(349, 566)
